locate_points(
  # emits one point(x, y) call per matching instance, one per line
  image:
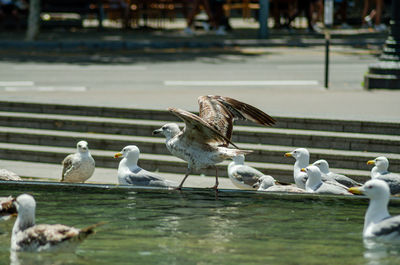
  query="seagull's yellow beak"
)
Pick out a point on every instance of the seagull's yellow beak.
point(288, 154)
point(117, 155)
point(371, 162)
point(355, 190)
point(303, 170)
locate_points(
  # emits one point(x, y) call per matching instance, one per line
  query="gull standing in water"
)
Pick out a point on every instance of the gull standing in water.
point(378, 223)
point(204, 140)
point(27, 236)
point(78, 167)
point(380, 171)
point(129, 173)
point(342, 179)
point(314, 183)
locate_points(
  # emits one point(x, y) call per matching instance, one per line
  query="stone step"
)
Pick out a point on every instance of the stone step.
point(381, 81)
point(371, 127)
point(52, 172)
point(156, 145)
point(151, 162)
point(245, 134)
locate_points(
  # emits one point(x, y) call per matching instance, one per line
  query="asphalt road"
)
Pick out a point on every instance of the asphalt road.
point(281, 81)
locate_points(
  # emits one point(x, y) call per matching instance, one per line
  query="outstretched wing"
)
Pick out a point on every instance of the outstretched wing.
point(197, 130)
point(219, 112)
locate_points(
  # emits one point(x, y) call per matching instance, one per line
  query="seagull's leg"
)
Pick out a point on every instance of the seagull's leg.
point(216, 179)
point(188, 171)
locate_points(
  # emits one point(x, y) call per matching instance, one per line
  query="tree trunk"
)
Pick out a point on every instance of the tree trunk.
point(33, 20)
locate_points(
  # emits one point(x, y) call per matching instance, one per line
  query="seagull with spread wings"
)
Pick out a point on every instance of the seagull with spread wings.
point(204, 140)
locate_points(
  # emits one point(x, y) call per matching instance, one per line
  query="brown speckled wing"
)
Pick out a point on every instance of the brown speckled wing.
point(197, 130)
point(67, 164)
point(220, 112)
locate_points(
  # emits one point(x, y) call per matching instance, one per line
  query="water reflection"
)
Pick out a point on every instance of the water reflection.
point(379, 252)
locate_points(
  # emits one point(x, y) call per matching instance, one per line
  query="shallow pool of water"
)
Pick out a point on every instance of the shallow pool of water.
point(198, 227)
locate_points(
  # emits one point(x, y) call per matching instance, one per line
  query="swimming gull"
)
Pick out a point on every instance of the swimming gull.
point(80, 166)
point(8, 175)
point(241, 175)
point(342, 179)
point(380, 171)
point(316, 185)
point(378, 223)
point(27, 236)
point(204, 140)
point(129, 173)
point(268, 183)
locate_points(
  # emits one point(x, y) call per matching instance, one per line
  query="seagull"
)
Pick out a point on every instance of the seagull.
point(378, 223)
point(302, 157)
point(129, 173)
point(78, 167)
point(7, 206)
point(26, 236)
point(204, 140)
point(268, 183)
point(8, 175)
point(314, 183)
point(380, 171)
point(342, 179)
point(241, 175)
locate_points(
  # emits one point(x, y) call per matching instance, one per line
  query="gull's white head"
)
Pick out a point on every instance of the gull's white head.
point(169, 130)
point(381, 163)
point(299, 154)
point(130, 152)
point(375, 189)
point(26, 207)
point(322, 165)
point(82, 147)
point(239, 159)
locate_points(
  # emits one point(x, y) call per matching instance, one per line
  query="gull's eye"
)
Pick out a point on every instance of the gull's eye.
point(369, 187)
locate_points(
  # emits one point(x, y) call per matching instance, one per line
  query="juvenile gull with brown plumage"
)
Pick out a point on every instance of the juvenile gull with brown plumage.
point(27, 236)
point(204, 140)
point(78, 167)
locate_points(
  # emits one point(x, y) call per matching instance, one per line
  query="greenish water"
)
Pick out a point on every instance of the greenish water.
point(196, 227)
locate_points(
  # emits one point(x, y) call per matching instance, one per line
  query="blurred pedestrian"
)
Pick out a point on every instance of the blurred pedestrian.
point(374, 15)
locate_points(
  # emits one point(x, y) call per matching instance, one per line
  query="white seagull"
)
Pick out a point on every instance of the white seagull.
point(241, 175)
point(380, 171)
point(204, 140)
point(78, 167)
point(378, 223)
point(342, 179)
point(8, 175)
point(129, 173)
point(302, 157)
point(27, 236)
point(314, 183)
point(268, 183)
